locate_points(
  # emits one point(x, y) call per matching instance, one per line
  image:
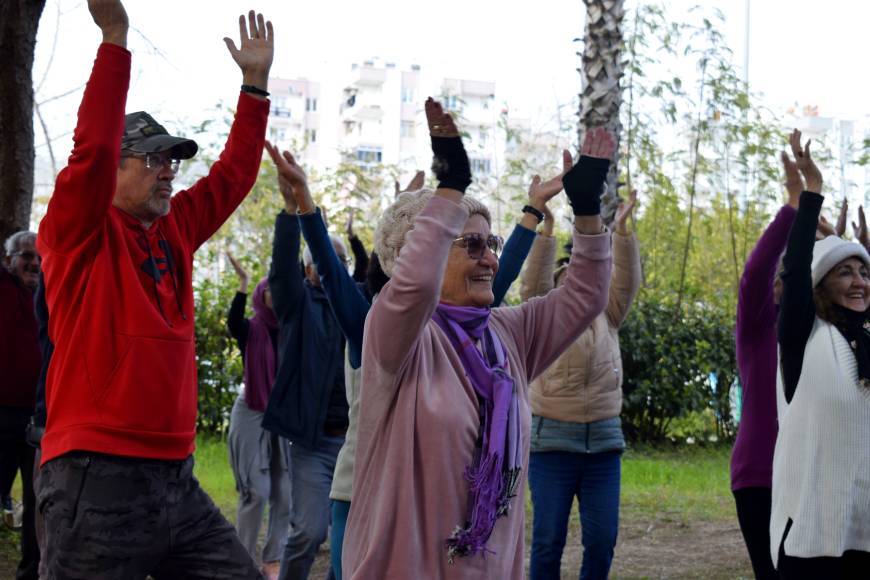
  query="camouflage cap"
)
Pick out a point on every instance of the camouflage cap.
point(142, 134)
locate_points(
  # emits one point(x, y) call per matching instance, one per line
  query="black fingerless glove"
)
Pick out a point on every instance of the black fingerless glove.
point(584, 184)
point(450, 163)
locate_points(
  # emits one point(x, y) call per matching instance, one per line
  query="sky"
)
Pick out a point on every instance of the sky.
point(799, 52)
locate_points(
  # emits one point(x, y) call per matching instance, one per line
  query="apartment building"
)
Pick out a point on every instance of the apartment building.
point(295, 118)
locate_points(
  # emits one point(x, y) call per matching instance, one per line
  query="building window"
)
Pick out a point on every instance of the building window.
point(311, 105)
point(480, 166)
point(311, 135)
point(483, 137)
point(408, 129)
point(368, 155)
point(451, 102)
point(407, 95)
point(279, 111)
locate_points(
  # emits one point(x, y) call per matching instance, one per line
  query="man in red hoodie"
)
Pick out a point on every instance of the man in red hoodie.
point(116, 486)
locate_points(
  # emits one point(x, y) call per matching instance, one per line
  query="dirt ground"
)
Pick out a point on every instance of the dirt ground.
point(653, 548)
point(648, 547)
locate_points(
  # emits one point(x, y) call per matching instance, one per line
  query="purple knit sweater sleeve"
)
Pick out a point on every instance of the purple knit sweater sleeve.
point(755, 307)
point(752, 459)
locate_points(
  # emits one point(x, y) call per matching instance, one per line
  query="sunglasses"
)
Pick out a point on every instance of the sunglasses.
point(476, 244)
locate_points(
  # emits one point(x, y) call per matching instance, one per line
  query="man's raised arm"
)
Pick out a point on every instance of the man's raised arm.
point(85, 187)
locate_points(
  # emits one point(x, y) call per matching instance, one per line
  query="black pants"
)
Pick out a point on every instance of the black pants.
point(852, 565)
point(114, 517)
point(15, 455)
point(753, 513)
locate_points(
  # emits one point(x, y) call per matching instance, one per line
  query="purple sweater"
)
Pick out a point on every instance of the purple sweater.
point(752, 459)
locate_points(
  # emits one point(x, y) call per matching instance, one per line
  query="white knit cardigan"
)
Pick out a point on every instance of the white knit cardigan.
point(821, 466)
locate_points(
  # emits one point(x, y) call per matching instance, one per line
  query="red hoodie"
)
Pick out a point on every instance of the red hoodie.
point(122, 379)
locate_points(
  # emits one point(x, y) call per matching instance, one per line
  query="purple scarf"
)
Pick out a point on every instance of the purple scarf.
point(494, 471)
point(260, 352)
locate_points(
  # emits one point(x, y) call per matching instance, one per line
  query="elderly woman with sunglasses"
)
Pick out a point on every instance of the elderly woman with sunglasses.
point(443, 441)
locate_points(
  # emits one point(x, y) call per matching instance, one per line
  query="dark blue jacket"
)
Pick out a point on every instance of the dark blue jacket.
point(310, 345)
point(348, 299)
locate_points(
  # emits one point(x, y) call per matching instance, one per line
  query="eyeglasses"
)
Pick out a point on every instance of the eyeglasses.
point(476, 244)
point(28, 255)
point(156, 161)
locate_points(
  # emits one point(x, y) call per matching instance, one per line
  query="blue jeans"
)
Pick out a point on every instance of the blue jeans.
point(556, 478)
point(340, 511)
point(309, 509)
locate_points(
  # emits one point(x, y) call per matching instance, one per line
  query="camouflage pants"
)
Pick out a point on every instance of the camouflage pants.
point(115, 517)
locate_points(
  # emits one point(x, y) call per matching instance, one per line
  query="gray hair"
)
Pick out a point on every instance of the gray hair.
point(398, 220)
point(308, 259)
point(17, 240)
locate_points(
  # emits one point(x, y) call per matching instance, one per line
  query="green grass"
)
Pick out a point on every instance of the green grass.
point(685, 484)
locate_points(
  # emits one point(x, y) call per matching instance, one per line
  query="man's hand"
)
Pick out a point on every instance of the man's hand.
point(861, 233)
point(292, 181)
point(794, 183)
point(441, 123)
point(244, 278)
point(805, 164)
point(256, 50)
point(623, 212)
point(111, 17)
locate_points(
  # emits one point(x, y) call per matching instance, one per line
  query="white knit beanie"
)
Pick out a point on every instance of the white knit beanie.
point(831, 251)
point(398, 220)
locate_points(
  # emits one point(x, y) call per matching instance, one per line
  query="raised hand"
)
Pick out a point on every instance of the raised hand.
point(599, 143)
point(540, 192)
point(244, 278)
point(805, 164)
point(861, 233)
point(256, 50)
point(112, 19)
point(292, 181)
point(449, 159)
point(441, 123)
point(349, 228)
point(794, 183)
point(840, 228)
point(824, 229)
point(623, 212)
point(584, 183)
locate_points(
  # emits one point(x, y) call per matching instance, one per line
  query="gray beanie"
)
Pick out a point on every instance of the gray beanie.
point(831, 251)
point(398, 220)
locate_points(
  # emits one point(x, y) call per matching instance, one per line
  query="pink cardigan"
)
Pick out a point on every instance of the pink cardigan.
point(418, 417)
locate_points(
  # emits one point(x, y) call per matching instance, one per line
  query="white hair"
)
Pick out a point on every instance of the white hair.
point(308, 259)
point(398, 220)
point(17, 240)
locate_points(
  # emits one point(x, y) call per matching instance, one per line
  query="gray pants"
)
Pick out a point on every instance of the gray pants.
point(110, 517)
point(260, 461)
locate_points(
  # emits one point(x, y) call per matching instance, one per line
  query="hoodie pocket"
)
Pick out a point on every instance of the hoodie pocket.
point(153, 387)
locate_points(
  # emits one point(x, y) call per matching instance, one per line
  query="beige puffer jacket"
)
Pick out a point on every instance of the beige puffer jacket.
point(585, 383)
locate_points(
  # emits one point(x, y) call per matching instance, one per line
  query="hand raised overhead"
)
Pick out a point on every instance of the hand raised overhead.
point(599, 143)
point(623, 212)
point(441, 123)
point(805, 164)
point(794, 183)
point(112, 19)
point(861, 233)
point(256, 49)
point(292, 181)
point(540, 192)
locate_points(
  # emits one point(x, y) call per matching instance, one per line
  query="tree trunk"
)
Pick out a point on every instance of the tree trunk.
point(602, 69)
point(19, 20)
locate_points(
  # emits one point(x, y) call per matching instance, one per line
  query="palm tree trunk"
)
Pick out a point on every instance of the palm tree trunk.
point(602, 70)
